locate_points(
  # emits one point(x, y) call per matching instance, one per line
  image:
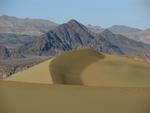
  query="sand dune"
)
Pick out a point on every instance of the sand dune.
point(90, 68)
point(82, 81)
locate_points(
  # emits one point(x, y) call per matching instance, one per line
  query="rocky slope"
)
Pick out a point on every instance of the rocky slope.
point(11, 40)
point(4, 52)
point(129, 47)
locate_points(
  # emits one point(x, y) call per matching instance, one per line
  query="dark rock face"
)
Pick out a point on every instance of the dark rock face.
point(4, 52)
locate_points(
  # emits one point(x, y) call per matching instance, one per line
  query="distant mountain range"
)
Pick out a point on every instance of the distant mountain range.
point(25, 26)
point(32, 38)
point(132, 33)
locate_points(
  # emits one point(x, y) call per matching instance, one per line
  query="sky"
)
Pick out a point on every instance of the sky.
point(105, 13)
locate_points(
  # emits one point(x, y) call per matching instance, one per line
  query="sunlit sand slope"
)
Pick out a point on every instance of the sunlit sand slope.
point(41, 98)
point(88, 67)
point(36, 74)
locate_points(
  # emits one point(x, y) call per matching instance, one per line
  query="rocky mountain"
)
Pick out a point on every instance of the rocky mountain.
point(26, 26)
point(73, 35)
point(70, 36)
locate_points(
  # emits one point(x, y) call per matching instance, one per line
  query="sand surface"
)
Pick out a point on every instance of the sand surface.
point(17, 97)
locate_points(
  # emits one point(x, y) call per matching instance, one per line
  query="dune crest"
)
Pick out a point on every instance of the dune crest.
point(67, 68)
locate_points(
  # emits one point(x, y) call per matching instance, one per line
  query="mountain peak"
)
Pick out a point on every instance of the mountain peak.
point(73, 22)
point(74, 25)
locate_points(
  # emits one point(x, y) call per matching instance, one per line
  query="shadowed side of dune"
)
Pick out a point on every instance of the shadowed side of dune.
point(67, 68)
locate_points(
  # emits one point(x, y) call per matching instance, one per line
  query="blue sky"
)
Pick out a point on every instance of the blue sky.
point(104, 13)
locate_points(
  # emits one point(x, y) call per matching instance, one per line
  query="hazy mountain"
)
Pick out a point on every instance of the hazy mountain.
point(27, 26)
point(121, 29)
point(117, 29)
point(143, 36)
point(132, 33)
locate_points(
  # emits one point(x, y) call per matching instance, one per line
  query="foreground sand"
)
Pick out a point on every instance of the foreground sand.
point(17, 97)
